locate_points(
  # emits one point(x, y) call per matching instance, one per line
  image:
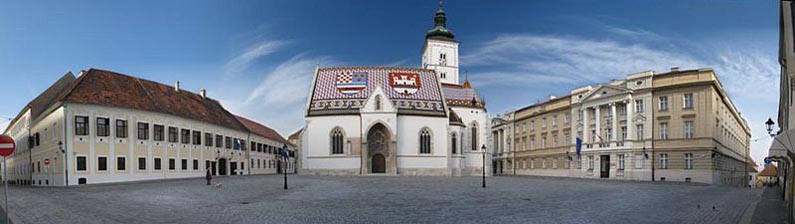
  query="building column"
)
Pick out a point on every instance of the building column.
point(597, 117)
point(614, 135)
point(630, 126)
point(586, 129)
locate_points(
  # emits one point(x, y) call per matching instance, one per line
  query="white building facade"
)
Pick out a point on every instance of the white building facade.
point(105, 127)
point(399, 121)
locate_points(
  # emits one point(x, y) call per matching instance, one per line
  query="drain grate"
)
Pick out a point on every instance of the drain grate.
point(245, 203)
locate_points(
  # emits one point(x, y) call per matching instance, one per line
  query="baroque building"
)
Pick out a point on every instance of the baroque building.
point(673, 126)
point(396, 120)
point(103, 126)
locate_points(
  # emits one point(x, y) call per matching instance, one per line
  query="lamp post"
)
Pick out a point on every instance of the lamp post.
point(284, 164)
point(66, 166)
point(483, 149)
point(769, 124)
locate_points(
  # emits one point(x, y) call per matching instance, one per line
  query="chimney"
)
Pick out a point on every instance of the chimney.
point(203, 93)
point(176, 86)
point(674, 69)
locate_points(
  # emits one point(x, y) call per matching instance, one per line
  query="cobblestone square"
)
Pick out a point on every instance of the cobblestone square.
point(383, 199)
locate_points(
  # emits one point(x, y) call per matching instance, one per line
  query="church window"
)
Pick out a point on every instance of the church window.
point(336, 141)
point(377, 102)
point(425, 141)
point(443, 75)
point(454, 141)
point(443, 59)
point(474, 137)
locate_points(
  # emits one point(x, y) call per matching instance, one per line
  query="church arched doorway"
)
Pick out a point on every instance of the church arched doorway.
point(378, 149)
point(379, 163)
point(222, 166)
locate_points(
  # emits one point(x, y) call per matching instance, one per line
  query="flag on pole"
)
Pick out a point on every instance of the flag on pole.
point(579, 145)
point(285, 153)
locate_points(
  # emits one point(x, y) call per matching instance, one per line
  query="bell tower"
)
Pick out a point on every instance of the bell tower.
point(440, 52)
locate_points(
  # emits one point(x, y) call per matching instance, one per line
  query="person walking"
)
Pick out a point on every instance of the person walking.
point(209, 176)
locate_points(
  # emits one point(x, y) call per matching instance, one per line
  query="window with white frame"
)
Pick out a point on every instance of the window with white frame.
point(620, 161)
point(555, 121)
point(663, 160)
point(544, 163)
point(663, 130)
point(687, 101)
point(639, 131)
point(554, 163)
point(688, 129)
point(544, 123)
point(590, 162)
point(639, 106)
point(554, 140)
point(688, 161)
point(663, 103)
point(579, 163)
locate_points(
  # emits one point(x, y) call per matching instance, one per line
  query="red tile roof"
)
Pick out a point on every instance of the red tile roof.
point(461, 95)
point(296, 135)
point(261, 130)
point(770, 170)
point(109, 88)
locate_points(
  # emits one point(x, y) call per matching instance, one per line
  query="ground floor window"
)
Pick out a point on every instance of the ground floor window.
point(590, 162)
point(121, 163)
point(688, 161)
point(620, 162)
point(102, 163)
point(172, 164)
point(663, 160)
point(81, 163)
point(141, 163)
point(184, 164)
point(158, 164)
point(195, 164)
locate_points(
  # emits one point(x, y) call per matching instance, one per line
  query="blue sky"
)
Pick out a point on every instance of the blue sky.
point(257, 57)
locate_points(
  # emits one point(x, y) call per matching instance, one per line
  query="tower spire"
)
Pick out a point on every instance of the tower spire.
point(440, 30)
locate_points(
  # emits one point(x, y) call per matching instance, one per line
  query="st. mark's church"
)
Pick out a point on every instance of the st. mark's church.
point(397, 120)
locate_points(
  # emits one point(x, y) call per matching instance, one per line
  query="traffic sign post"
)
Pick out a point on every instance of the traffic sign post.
point(7, 147)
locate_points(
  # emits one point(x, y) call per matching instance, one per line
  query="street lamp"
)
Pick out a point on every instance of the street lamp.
point(284, 164)
point(769, 124)
point(483, 149)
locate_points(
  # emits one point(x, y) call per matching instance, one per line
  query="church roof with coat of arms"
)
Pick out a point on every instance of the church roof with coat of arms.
point(344, 90)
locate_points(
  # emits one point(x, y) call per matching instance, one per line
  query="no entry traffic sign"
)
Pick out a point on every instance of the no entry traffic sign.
point(7, 145)
point(46, 161)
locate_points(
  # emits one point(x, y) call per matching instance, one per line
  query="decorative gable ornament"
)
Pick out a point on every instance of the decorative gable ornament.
point(350, 83)
point(404, 83)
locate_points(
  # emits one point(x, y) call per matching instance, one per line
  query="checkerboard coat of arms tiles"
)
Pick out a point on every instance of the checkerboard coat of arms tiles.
point(351, 82)
point(404, 83)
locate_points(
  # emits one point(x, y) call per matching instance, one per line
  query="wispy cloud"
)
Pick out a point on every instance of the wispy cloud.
point(523, 59)
point(246, 57)
point(279, 98)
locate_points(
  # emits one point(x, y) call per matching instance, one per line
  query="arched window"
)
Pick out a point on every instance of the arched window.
point(337, 141)
point(425, 141)
point(474, 137)
point(454, 142)
point(377, 102)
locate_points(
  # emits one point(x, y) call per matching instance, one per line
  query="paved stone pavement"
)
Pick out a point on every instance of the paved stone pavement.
point(771, 209)
point(383, 199)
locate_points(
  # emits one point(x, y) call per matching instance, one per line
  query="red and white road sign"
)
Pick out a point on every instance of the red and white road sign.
point(46, 161)
point(7, 145)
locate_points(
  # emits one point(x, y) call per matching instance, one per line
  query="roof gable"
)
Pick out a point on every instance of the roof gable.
point(604, 91)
